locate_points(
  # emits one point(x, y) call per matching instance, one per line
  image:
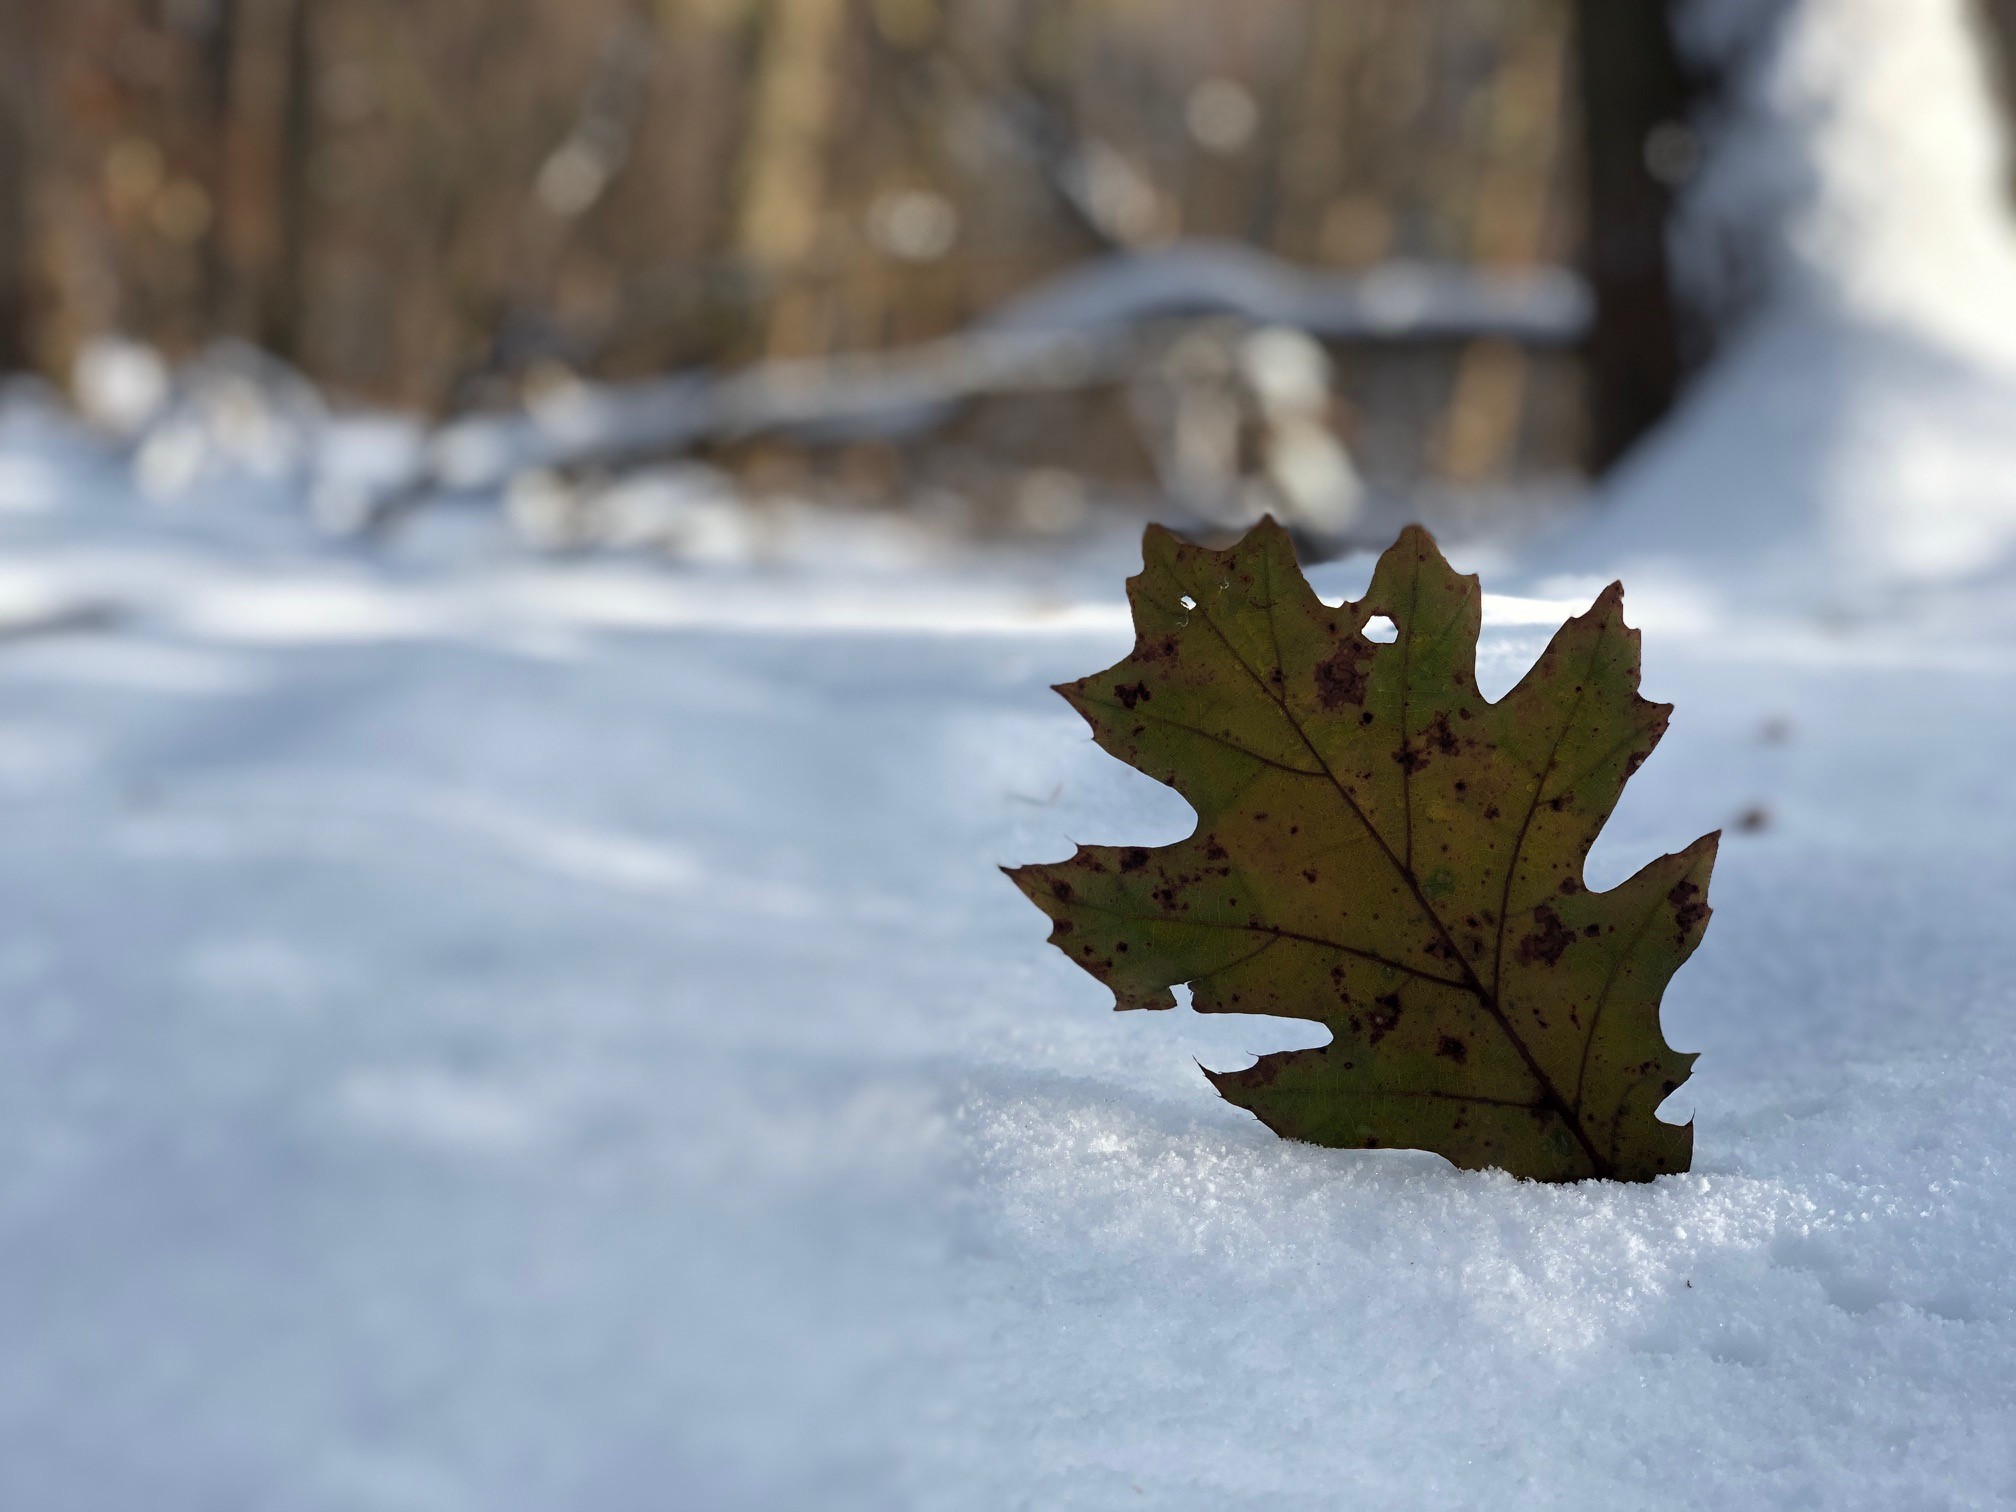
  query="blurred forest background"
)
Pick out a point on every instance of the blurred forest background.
point(456, 205)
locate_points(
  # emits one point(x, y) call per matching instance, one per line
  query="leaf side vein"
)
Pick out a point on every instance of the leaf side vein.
point(1487, 997)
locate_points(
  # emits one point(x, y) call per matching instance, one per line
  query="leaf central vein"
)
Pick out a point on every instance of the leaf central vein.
point(1487, 997)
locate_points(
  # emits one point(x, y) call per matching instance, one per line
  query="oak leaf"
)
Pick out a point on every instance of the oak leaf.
point(1383, 851)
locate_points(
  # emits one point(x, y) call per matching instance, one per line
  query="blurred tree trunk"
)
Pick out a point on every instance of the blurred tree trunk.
point(1634, 94)
point(281, 315)
point(217, 55)
point(784, 167)
point(16, 251)
point(1998, 27)
point(258, 113)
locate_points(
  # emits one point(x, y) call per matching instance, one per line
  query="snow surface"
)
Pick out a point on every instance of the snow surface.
point(485, 1036)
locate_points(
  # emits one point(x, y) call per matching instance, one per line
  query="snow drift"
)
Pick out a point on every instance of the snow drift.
point(1851, 444)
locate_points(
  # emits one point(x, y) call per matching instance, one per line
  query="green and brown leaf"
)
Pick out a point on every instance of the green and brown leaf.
point(1385, 852)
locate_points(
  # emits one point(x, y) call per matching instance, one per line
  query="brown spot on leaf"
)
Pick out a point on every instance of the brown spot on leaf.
point(1451, 1048)
point(1262, 1072)
point(1689, 908)
point(1133, 859)
point(1341, 680)
point(1439, 736)
point(1385, 1017)
point(1130, 696)
point(1548, 940)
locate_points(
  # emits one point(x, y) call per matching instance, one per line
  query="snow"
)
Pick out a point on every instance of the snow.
point(493, 1034)
point(1422, 301)
point(487, 1033)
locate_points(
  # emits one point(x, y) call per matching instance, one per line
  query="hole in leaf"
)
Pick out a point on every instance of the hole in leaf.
point(1381, 629)
point(1188, 602)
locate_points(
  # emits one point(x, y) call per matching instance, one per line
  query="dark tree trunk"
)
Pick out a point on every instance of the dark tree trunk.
point(16, 234)
point(282, 319)
point(1636, 99)
point(1998, 28)
point(216, 59)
